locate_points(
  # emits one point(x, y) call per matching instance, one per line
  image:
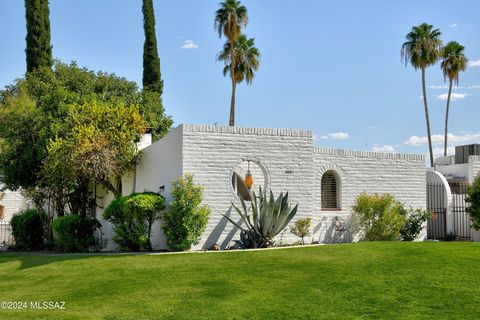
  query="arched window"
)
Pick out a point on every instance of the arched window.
point(330, 190)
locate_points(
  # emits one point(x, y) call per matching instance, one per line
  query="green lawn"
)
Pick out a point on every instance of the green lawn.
point(390, 280)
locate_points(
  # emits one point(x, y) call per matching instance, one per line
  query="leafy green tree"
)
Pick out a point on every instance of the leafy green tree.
point(422, 49)
point(39, 50)
point(454, 61)
point(246, 59)
point(36, 110)
point(473, 200)
point(229, 19)
point(100, 146)
point(187, 218)
point(23, 139)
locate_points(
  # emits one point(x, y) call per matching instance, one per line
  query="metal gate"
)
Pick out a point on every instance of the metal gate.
point(461, 219)
point(437, 225)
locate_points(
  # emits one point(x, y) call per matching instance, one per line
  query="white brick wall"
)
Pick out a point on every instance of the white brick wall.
point(212, 152)
point(13, 202)
point(402, 175)
point(291, 162)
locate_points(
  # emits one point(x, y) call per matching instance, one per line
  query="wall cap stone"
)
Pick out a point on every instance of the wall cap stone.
point(246, 130)
point(368, 154)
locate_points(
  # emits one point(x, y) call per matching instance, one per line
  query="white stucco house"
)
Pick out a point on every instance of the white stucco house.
point(324, 181)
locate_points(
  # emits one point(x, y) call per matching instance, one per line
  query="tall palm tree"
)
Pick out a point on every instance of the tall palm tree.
point(246, 59)
point(454, 61)
point(421, 50)
point(229, 19)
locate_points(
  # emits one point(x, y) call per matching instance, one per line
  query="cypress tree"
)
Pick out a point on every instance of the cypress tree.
point(152, 109)
point(151, 62)
point(39, 50)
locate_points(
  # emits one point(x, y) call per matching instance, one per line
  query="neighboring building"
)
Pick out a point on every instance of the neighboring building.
point(452, 174)
point(464, 166)
point(324, 181)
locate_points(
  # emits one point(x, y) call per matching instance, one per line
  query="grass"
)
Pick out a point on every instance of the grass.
point(390, 280)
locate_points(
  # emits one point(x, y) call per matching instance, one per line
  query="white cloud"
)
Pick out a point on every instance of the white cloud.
point(387, 148)
point(473, 86)
point(336, 136)
point(474, 63)
point(189, 44)
point(453, 25)
point(454, 96)
point(438, 152)
point(437, 139)
point(437, 87)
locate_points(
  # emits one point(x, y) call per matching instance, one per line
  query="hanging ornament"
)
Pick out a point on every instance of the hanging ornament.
point(249, 177)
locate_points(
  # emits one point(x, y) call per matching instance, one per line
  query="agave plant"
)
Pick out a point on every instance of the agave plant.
point(268, 217)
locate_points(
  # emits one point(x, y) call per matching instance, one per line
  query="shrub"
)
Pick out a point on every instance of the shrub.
point(186, 219)
point(75, 233)
point(413, 224)
point(133, 217)
point(27, 229)
point(473, 200)
point(301, 228)
point(268, 218)
point(380, 216)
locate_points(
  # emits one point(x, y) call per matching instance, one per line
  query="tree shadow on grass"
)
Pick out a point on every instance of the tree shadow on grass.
point(36, 259)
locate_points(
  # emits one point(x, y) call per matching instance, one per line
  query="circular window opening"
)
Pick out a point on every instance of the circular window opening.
point(248, 176)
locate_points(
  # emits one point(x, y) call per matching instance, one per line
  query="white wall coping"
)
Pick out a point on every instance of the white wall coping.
point(246, 130)
point(369, 154)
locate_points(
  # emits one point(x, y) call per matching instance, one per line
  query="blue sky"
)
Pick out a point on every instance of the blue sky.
point(330, 66)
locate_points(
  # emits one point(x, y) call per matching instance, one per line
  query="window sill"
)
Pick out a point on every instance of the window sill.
point(331, 209)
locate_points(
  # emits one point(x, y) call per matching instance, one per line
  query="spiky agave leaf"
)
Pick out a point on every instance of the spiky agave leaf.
point(269, 216)
point(234, 223)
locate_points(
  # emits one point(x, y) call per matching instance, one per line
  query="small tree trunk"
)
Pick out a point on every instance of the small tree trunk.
point(109, 186)
point(234, 84)
point(427, 118)
point(446, 118)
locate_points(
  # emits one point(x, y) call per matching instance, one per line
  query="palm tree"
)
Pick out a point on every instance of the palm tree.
point(422, 50)
point(454, 61)
point(229, 19)
point(246, 59)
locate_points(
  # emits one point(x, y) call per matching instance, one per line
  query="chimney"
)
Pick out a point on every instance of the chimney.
point(145, 140)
